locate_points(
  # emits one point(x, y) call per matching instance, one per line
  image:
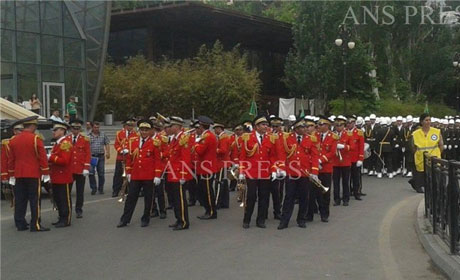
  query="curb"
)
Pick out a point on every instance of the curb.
point(435, 247)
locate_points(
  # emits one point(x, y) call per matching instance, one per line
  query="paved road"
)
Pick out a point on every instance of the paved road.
point(371, 239)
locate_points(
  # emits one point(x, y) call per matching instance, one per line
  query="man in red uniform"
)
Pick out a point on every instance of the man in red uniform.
point(5, 149)
point(81, 157)
point(342, 162)
point(301, 163)
point(121, 146)
point(192, 186)
point(179, 171)
point(277, 186)
point(61, 173)
point(258, 158)
point(356, 156)
point(223, 164)
point(160, 141)
point(235, 151)
point(141, 171)
point(206, 169)
point(327, 150)
point(26, 165)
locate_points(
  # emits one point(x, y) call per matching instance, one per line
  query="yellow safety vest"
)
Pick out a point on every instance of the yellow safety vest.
point(426, 143)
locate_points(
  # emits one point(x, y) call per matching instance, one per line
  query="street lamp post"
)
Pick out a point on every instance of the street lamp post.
point(346, 43)
point(456, 64)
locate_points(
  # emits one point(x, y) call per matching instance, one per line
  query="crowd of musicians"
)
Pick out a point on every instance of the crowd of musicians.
point(171, 164)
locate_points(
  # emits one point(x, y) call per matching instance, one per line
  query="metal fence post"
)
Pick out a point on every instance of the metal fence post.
point(433, 195)
point(453, 206)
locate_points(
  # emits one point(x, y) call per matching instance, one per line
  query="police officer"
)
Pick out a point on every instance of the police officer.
point(27, 164)
point(61, 173)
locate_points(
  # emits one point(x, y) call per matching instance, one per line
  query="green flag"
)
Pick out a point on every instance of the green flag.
point(427, 111)
point(302, 111)
point(253, 109)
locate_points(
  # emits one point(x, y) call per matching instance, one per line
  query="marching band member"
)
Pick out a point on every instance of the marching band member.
point(223, 164)
point(277, 186)
point(235, 150)
point(356, 156)
point(301, 163)
point(160, 141)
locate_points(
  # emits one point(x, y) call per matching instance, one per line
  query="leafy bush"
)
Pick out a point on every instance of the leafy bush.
point(215, 83)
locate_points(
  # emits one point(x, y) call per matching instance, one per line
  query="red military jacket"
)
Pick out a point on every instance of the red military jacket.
point(180, 159)
point(27, 157)
point(358, 141)
point(258, 161)
point(60, 162)
point(193, 155)
point(345, 138)
point(301, 158)
point(4, 162)
point(206, 151)
point(122, 142)
point(328, 147)
point(81, 153)
point(140, 163)
point(160, 142)
point(235, 148)
point(223, 151)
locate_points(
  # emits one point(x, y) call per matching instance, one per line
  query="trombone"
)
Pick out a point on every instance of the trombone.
point(316, 182)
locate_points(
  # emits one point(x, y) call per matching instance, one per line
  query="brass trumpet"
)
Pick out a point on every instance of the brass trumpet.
point(124, 186)
point(242, 192)
point(316, 182)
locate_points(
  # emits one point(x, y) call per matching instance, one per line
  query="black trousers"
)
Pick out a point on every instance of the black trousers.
point(397, 159)
point(257, 189)
point(63, 200)
point(79, 180)
point(117, 177)
point(222, 190)
point(131, 200)
point(387, 158)
point(232, 185)
point(193, 191)
point(159, 195)
point(323, 199)
point(341, 173)
point(371, 162)
point(180, 203)
point(409, 161)
point(296, 188)
point(27, 190)
point(275, 194)
point(207, 194)
point(355, 179)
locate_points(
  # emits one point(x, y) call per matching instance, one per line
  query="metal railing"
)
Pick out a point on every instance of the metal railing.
point(442, 199)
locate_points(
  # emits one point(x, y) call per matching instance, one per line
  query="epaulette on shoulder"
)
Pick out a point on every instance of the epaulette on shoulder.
point(164, 138)
point(245, 136)
point(39, 135)
point(313, 138)
point(273, 137)
point(156, 142)
point(223, 136)
point(335, 136)
point(86, 138)
point(360, 132)
point(286, 135)
point(65, 145)
point(5, 141)
point(183, 141)
point(350, 133)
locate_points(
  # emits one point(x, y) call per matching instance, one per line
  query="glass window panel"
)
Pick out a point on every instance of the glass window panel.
point(28, 47)
point(27, 16)
point(51, 17)
point(73, 50)
point(52, 50)
point(52, 74)
point(74, 82)
point(28, 81)
point(7, 46)
point(7, 14)
point(8, 80)
point(70, 30)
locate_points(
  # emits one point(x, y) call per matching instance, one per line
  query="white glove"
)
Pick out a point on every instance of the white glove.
point(359, 163)
point(241, 177)
point(46, 178)
point(340, 146)
point(456, 146)
point(125, 151)
point(48, 156)
point(314, 177)
point(445, 147)
point(181, 181)
point(12, 181)
point(156, 181)
point(281, 174)
point(5, 181)
point(198, 139)
point(397, 146)
point(85, 172)
point(273, 176)
point(449, 147)
point(236, 165)
point(319, 161)
point(403, 149)
point(320, 166)
point(128, 177)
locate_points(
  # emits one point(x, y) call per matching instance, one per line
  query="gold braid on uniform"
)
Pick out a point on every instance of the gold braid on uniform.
point(289, 151)
point(249, 152)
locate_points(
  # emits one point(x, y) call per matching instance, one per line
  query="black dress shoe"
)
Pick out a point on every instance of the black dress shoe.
point(144, 223)
point(245, 225)
point(41, 229)
point(302, 225)
point(162, 215)
point(336, 203)
point(79, 215)
point(169, 208)
point(61, 225)
point(55, 223)
point(358, 198)
point(207, 217)
point(23, 228)
point(260, 225)
point(180, 227)
point(277, 217)
point(362, 194)
point(282, 226)
point(324, 220)
point(419, 190)
point(345, 203)
point(121, 224)
point(93, 192)
point(101, 192)
point(173, 225)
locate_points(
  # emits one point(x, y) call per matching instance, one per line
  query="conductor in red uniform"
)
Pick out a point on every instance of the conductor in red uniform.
point(81, 157)
point(61, 173)
point(27, 164)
